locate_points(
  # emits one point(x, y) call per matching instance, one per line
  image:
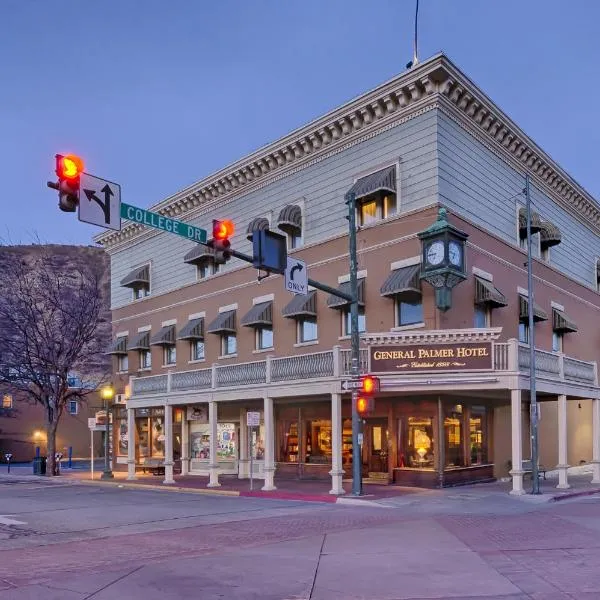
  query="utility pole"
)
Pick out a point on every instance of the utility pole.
point(532, 393)
point(355, 345)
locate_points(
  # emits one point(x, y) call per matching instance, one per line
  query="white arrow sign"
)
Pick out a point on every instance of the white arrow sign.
point(351, 384)
point(99, 202)
point(296, 277)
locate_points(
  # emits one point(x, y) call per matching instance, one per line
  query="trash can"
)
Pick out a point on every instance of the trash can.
point(39, 465)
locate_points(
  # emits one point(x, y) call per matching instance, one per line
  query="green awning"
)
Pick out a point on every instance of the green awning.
point(406, 279)
point(224, 323)
point(561, 322)
point(384, 180)
point(337, 302)
point(165, 337)
point(538, 313)
point(192, 330)
point(301, 306)
point(259, 315)
point(139, 276)
point(487, 293)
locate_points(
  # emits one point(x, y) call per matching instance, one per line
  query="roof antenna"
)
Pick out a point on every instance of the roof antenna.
point(415, 61)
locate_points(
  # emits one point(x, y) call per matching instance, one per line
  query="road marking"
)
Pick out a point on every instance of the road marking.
point(8, 521)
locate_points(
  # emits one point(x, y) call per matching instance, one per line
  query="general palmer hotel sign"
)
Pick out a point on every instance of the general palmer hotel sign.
point(431, 357)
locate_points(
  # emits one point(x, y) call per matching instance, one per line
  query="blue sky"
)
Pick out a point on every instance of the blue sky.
point(158, 94)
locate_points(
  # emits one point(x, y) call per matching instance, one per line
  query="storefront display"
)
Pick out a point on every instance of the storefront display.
point(418, 451)
point(226, 441)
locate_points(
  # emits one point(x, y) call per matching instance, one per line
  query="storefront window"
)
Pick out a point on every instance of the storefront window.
point(257, 442)
point(143, 435)
point(453, 437)
point(477, 435)
point(158, 436)
point(318, 441)
point(292, 444)
point(200, 441)
point(226, 441)
point(417, 451)
point(122, 432)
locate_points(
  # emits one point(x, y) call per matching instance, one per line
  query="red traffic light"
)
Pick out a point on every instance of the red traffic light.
point(223, 230)
point(369, 384)
point(69, 166)
point(364, 405)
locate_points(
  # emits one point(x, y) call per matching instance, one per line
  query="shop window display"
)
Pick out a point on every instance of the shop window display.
point(417, 451)
point(318, 441)
point(226, 441)
point(453, 437)
point(477, 435)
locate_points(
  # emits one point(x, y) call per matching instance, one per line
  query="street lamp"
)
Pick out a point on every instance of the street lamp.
point(107, 393)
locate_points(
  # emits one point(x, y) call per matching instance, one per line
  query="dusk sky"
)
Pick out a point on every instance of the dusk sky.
point(158, 94)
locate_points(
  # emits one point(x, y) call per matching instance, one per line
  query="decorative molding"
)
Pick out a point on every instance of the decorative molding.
point(405, 262)
point(122, 334)
point(228, 308)
point(442, 336)
point(345, 278)
point(169, 322)
point(198, 315)
point(261, 299)
point(482, 274)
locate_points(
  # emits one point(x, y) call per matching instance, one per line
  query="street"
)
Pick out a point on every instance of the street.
point(67, 540)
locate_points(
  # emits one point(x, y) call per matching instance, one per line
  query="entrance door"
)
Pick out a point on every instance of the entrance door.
point(375, 448)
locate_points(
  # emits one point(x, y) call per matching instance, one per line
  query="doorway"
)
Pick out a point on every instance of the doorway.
point(375, 447)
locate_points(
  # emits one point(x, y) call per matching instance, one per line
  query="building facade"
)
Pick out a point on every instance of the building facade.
point(200, 345)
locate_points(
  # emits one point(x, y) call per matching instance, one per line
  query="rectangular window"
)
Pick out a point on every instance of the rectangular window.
point(170, 355)
point(202, 270)
point(362, 324)
point(123, 361)
point(417, 444)
point(294, 240)
point(197, 350)
point(478, 435)
point(524, 332)
point(264, 338)
point(368, 212)
point(228, 344)
point(73, 407)
point(481, 317)
point(141, 291)
point(145, 359)
point(307, 329)
point(7, 401)
point(410, 309)
point(380, 205)
point(453, 437)
point(557, 341)
point(545, 253)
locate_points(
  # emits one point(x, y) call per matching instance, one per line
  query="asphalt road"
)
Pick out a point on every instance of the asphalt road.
point(65, 540)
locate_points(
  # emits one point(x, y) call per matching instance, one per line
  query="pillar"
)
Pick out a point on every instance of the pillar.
point(185, 443)
point(596, 440)
point(562, 466)
point(213, 465)
point(131, 444)
point(168, 444)
point(336, 445)
point(243, 470)
point(269, 467)
point(516, 443)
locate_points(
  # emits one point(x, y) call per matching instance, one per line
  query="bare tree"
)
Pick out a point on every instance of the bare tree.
point(53, 326)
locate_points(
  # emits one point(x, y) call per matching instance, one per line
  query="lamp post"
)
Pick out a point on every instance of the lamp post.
point(107, 393)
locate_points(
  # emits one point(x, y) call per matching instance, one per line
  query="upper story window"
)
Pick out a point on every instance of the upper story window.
point(538, 315)
point(120, 350)
point(487, 297)
point(290, 222)
point(166, 338)
point(170, 355)
point(303, 309)
point(203, 258)
point(347, 320)
point(228, 344)
point(197, 349)
point(141, 343)
point(257, 224)
point(536, 226)
point(344, 306)
point(193, 332)
point(549, 236)
point(225, 327)
point(404, 286)
point(145, 359)
point(481, 318)
point(139, 282)
point(123, 363)
point(260, 318)
point(376, 196)
point(598, 274)
point(73, 407)
point(561, 325)
point(7, 401)
point(308, 330)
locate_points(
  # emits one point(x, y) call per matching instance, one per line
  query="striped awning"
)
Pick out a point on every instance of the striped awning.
point(549, 235)
point(139, 276)
point(258, 224)
point(301, 306)
point(165, 336)
point(290, 219)
point(224, 323)
point(141, 341)
point(536, 222)
point(337, 302)
point(538, 313)
point(192, 330)
point(487, 293)
point(406, 279)
point(384, 180)
point(119, 346)
point(561, 323)
point(259, 315)
point(199, 254)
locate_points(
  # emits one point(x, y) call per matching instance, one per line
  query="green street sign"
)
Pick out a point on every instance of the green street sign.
point(151, 219)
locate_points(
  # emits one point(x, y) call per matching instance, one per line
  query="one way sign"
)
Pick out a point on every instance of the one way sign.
point(99, 202)
point(296, 277)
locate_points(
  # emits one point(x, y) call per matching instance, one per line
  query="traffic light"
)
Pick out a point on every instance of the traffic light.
point(369, 385)
point(68, 171)
point(365, 405)
point(365, 401)
point(221, 232)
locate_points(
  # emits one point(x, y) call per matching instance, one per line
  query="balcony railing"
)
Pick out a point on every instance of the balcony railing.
point(336, 363)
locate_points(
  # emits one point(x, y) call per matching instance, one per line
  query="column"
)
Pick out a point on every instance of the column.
point(168, 445)
point(269, 467)
point(336, 445)
point(562, 466)
point(243, 470)
point(213, 464)
point(185, 443)
point(596, 440)
point(517, 443)
point(131, 444)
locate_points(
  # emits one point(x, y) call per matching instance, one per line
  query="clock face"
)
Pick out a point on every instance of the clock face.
point(455, 253)
point(435, 253)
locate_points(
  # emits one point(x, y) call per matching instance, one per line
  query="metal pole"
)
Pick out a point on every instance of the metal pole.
point(92, 452)
point(355, 345)
point(251, 452)
point(532, 394)
point(107, 472)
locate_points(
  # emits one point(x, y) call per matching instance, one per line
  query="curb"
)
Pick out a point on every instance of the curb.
point(569, 495)
point(162, 488)
point(276, 495)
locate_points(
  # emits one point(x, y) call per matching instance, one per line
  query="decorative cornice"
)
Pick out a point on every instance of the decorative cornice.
point(431, 336)
point(411, 93)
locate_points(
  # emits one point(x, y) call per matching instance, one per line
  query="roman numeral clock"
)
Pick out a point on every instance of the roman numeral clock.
point(443, 258)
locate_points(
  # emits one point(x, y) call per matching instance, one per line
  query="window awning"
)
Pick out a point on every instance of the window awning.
point(561, 323)
point(198, 255)
point(538, 313)
point(337, 302)
point(549, 235)
point(487, 293)
point(165, 337)
point(258, 224)
point(259, 315)
point(301, 306)
point(384, 180)
point(224, 323)
point(139, 276)
point(119, 346)
point(290, 219)
point(406, 279)
point(141, 341)
point(536, 222)
point(192, 330)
